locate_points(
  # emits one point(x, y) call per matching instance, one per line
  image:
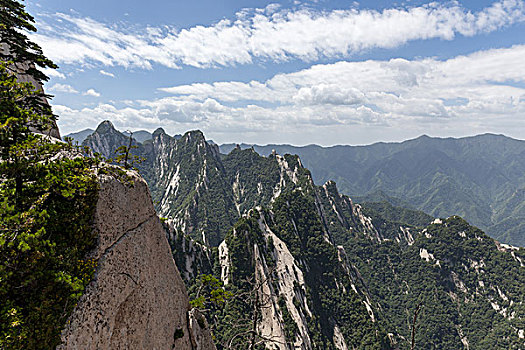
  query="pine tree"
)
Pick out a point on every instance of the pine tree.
point(21, 150)
point(124, 156)
point(23, 106)
point(24, 55)
point(47, 199)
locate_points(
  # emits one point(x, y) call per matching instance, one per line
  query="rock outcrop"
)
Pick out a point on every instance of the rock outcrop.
point(137, 299)
point(20, 69)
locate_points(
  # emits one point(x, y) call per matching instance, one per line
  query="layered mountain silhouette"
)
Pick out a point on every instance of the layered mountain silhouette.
point(480, 178)
point(314, 269)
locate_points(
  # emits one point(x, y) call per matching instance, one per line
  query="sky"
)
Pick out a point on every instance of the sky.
point(296, 72)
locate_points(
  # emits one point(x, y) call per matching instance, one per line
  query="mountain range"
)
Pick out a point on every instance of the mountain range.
point(481, 178)
point(314, 270)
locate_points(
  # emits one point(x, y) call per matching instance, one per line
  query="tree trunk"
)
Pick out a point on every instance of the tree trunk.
point(416, 313)
point(254, 321)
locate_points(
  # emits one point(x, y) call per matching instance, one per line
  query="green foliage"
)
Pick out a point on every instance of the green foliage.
point(203, 196)
point(456, 293)
point(339, 216)
point(290, 327)
point(329, 293)
point(295, 221)
point(14, 23)
point(240, 241)
point(47, 198)
point(124, 156)
point(21, 106)
point(254, 177)
point(479, 178)
point(45, 212)
point(233, 324)
point(209, 294)
point(387, 219)
point(399, 215)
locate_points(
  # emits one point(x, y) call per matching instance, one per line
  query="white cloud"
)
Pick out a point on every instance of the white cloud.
point(53, 73)
point(63, 88)
point(268, 34)
point(91, 92)
point(481, 92)
point(108, 74)
point(480, 75)
point(329, 94)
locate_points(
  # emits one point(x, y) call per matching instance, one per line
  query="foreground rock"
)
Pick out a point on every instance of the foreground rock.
point(137, 299)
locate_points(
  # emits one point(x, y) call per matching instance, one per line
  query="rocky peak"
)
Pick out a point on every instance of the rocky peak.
point(331, 187)
point(106, 127)
point(159, 131)
point(193, 136)
point(286, 252)
point(106, 139)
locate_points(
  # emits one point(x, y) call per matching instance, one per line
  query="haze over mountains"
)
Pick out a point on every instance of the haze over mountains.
point(331, 274)
point(481, 178)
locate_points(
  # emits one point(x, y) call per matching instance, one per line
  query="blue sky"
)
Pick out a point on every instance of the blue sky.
point(300, 72)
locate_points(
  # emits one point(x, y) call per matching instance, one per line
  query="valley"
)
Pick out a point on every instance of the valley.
point(320, 263)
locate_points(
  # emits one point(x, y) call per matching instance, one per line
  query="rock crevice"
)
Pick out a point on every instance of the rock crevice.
point(137, 299)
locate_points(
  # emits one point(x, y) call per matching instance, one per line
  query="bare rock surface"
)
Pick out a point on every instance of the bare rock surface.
point(20, 69)
point(200, 334)
point(137, 299)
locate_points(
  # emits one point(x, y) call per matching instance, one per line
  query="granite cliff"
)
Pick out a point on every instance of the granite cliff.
point(137, 299)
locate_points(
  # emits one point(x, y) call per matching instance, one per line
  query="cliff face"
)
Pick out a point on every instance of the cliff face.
point(137, 299)
point(21, 69)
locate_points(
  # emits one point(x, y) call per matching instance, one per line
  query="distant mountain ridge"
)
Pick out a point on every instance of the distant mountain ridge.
point(333, 274)
point(79, 136)
point(139, 135)
point(481, 178)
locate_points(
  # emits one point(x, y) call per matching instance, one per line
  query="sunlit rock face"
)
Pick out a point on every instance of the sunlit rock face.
point(137, 299)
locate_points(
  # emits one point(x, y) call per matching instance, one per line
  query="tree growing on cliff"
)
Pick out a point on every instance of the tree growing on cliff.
point(124, 156)
point(24, 56)
point(210, 293)
point(47, 198)
point(23, 106)
point(21, 150)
